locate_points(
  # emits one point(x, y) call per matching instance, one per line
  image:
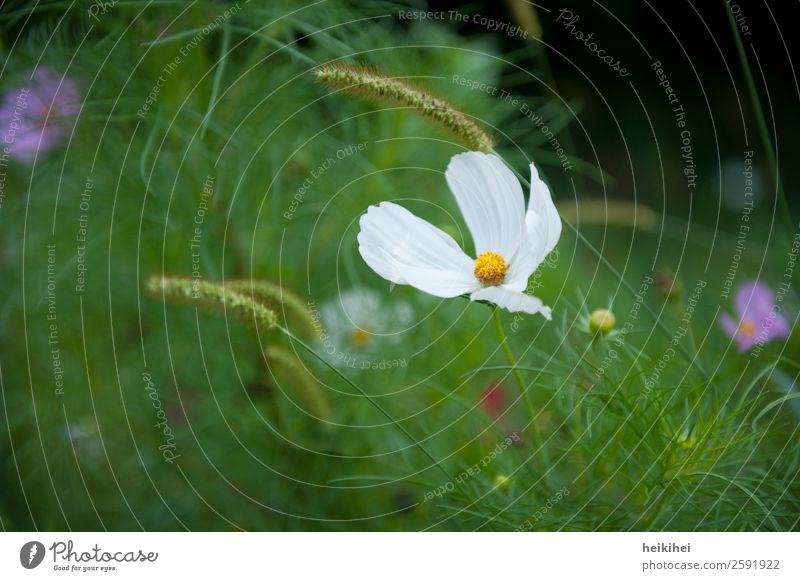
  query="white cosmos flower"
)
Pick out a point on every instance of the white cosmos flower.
point(361, 325)
point(510, 242)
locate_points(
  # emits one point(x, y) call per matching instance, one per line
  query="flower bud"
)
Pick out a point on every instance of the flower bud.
point(687, 438)
point(669, 286)
point(602, 321)
point(501, 482)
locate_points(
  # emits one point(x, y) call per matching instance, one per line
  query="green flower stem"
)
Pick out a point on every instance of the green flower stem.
point(364, 394)
point(518, 376)
point(692, 359)
point(760, 119)
point(655, 512)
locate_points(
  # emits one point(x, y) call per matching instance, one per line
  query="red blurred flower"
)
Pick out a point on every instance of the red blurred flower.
point(493, 399)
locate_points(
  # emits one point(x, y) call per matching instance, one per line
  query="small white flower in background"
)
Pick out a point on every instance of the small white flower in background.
point(359, 324)
point(510, 242)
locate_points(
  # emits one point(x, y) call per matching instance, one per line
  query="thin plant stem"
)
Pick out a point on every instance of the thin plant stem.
point(217, 80)
point(655, 512)
point(501, 336)
point(693, 361)
point(366, 396)
point(761, 120)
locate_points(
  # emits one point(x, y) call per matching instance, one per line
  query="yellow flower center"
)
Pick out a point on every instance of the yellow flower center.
point(747, 329)
point(359, 337)
point(490, 269)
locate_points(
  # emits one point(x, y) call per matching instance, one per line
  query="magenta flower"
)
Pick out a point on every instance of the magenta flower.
point(758, 322)
point(34, 116)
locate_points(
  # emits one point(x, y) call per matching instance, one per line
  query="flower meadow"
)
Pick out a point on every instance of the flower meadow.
point(396, 266)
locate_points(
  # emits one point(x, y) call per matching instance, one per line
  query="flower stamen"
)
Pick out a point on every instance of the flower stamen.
point(747, 329)
point(359, 337)
point(490, 269)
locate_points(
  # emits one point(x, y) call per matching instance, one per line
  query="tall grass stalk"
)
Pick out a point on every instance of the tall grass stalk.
point(512, 361)
point(761, 120)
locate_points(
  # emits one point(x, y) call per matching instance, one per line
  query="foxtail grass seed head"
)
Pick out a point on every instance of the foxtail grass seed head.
point(307, 387)
point(213, 295)
point(275, 297)
point(608, 212)
point(602, 321)
point(371, 84)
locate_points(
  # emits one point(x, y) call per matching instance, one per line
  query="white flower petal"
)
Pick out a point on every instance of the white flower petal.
point(542, 220)
point(405, 249)
point(523, 264)
point(512, 300)
point(491, 200)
